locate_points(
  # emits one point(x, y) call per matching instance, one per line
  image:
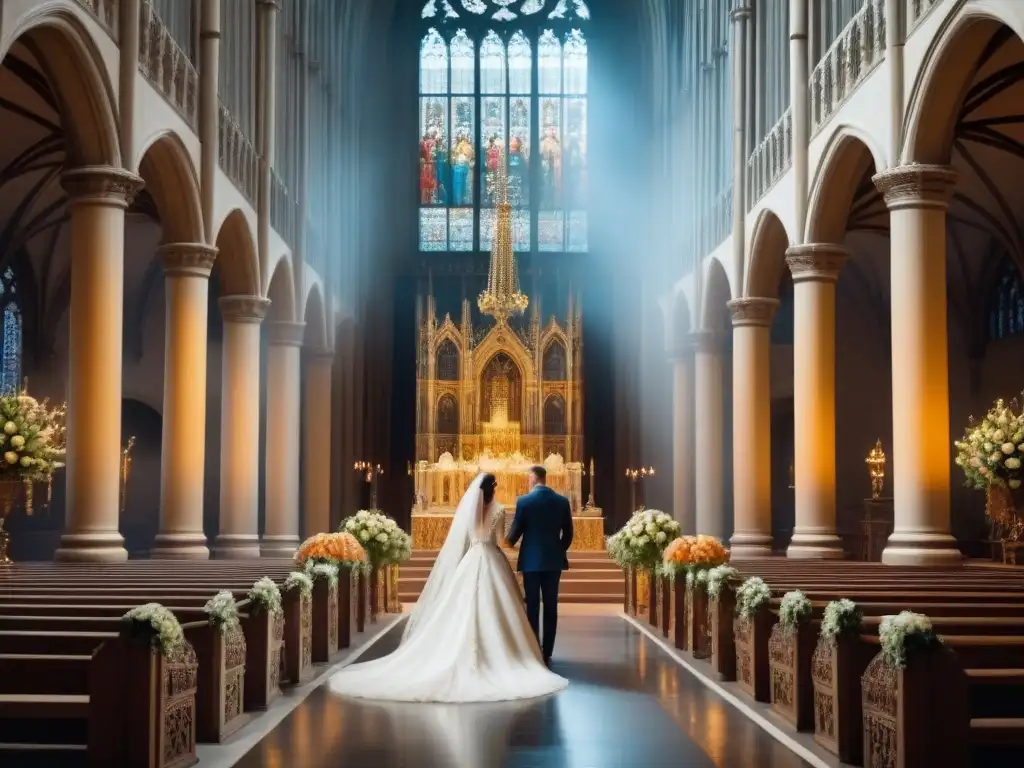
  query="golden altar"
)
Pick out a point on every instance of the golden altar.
point(430, 530)
point(498, 391)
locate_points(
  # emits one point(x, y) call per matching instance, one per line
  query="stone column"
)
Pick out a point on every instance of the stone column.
point(709, 458)
point(917, 197)
point(281, 500)
point(266, 116)
point(815, 269)
point(751, 426)
point(128, 72)
point(798, 79)
point(209, 108)
point(98, 198)
point(682, 441)
point(739, 16)
point(183, 456)
point(240, 427)
point(316, 458)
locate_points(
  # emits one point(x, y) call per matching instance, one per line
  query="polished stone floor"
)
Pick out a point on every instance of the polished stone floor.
point(628, 705)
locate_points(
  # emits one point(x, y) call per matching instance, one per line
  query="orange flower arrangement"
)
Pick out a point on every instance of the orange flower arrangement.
point(679, 552)
point(331, 547)
point(707, 552)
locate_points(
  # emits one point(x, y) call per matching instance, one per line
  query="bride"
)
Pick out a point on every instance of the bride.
point(468, 639)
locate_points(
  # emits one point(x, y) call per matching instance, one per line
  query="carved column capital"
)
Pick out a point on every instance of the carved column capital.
point(285, 334)
point(270, 5)
point(101, 185)
point(816, 262)
point(244, 309)
point(917, 186)
point(740, 14)
point(187, 259)
point(752, 311)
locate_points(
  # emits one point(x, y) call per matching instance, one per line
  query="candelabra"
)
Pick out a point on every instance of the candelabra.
point(371, 472)
point(876, 469)
point(636, 478)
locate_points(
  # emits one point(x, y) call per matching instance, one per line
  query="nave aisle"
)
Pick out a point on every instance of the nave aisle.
point(628, 705)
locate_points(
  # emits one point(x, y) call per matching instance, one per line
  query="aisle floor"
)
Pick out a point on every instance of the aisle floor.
point(628, 705)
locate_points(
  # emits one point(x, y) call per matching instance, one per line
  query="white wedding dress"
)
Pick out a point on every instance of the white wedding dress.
point(468, 639)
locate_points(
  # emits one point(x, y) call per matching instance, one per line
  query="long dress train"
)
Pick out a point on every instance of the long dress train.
point(472, 643)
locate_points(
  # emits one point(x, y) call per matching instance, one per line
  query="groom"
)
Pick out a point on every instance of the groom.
point(544, 522)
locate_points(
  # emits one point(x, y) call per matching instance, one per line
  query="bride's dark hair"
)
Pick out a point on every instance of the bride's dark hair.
point(488, 485)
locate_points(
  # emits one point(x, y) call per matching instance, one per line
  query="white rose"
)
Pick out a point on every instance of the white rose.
point(995, 457)
point(382, 538)
point(660, 537)
point(18, 442)
point(998, 436)
point(651, 529)
point(10, 428)
point(350, 525)
point(637, 529)
point(987, 446)
point(1017, 436)
point(11, 457)
point(26, 461)
point(1015, 484)
point(975, 462)
point(1012, 463)
point(364, 536)
point(1008, 448)
point(642, 541)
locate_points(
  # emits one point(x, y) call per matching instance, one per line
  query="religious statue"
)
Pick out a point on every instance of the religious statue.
point(441, 168)
point(462, 166)
point(492, 158)
point(428, 179)
point(551, 170)
point(518, 172)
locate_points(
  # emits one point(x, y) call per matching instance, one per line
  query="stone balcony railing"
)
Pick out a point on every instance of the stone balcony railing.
point(770, 160)
point(859, 48)
point(237, 156)
point(167, 66)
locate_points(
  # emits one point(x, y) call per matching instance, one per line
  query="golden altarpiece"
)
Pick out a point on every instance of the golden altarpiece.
point(498, 397)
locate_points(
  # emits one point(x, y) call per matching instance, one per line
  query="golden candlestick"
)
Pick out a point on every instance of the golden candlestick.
point(876, 468)
point(126, 469)
point(637, 476)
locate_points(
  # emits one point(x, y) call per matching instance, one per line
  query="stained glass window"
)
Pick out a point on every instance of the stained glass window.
point(1006, 305)
point(514, 91)
point(10, 374)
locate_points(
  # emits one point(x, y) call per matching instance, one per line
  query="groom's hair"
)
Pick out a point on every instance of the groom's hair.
point(540, 473)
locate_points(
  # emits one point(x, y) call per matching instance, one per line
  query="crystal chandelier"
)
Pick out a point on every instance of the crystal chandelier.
point(502, 299)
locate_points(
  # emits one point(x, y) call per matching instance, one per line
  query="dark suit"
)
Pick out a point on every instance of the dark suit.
point(544, 522)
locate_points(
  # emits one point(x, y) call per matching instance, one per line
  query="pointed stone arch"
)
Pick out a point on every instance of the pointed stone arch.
point(851, 153)
point(65, 52)
point(172, 182)
point(237, 256)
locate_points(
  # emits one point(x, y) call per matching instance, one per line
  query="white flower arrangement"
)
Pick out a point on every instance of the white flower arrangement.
point(718, 579)
point(222, 611)
point(697, 578)
point(751, 595)
point(156, 624)
point(32, 438)
point(382, 538)
point(323, 571)
point(905, 634)
point(794, 609)
point(841, 617)
point(643, 539)
point(265, 595)
point(992, 450)
point(300, 581)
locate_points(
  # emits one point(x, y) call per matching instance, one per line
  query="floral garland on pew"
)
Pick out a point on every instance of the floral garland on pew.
point(222, 611)
point(265, 595)
point(642, 541)
point(300, 581)
point(751, 595)
point(841, 618)
point(906, 634)
point(155, 626)
point(794, 610)
point(697, 557)
point(719, 579)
